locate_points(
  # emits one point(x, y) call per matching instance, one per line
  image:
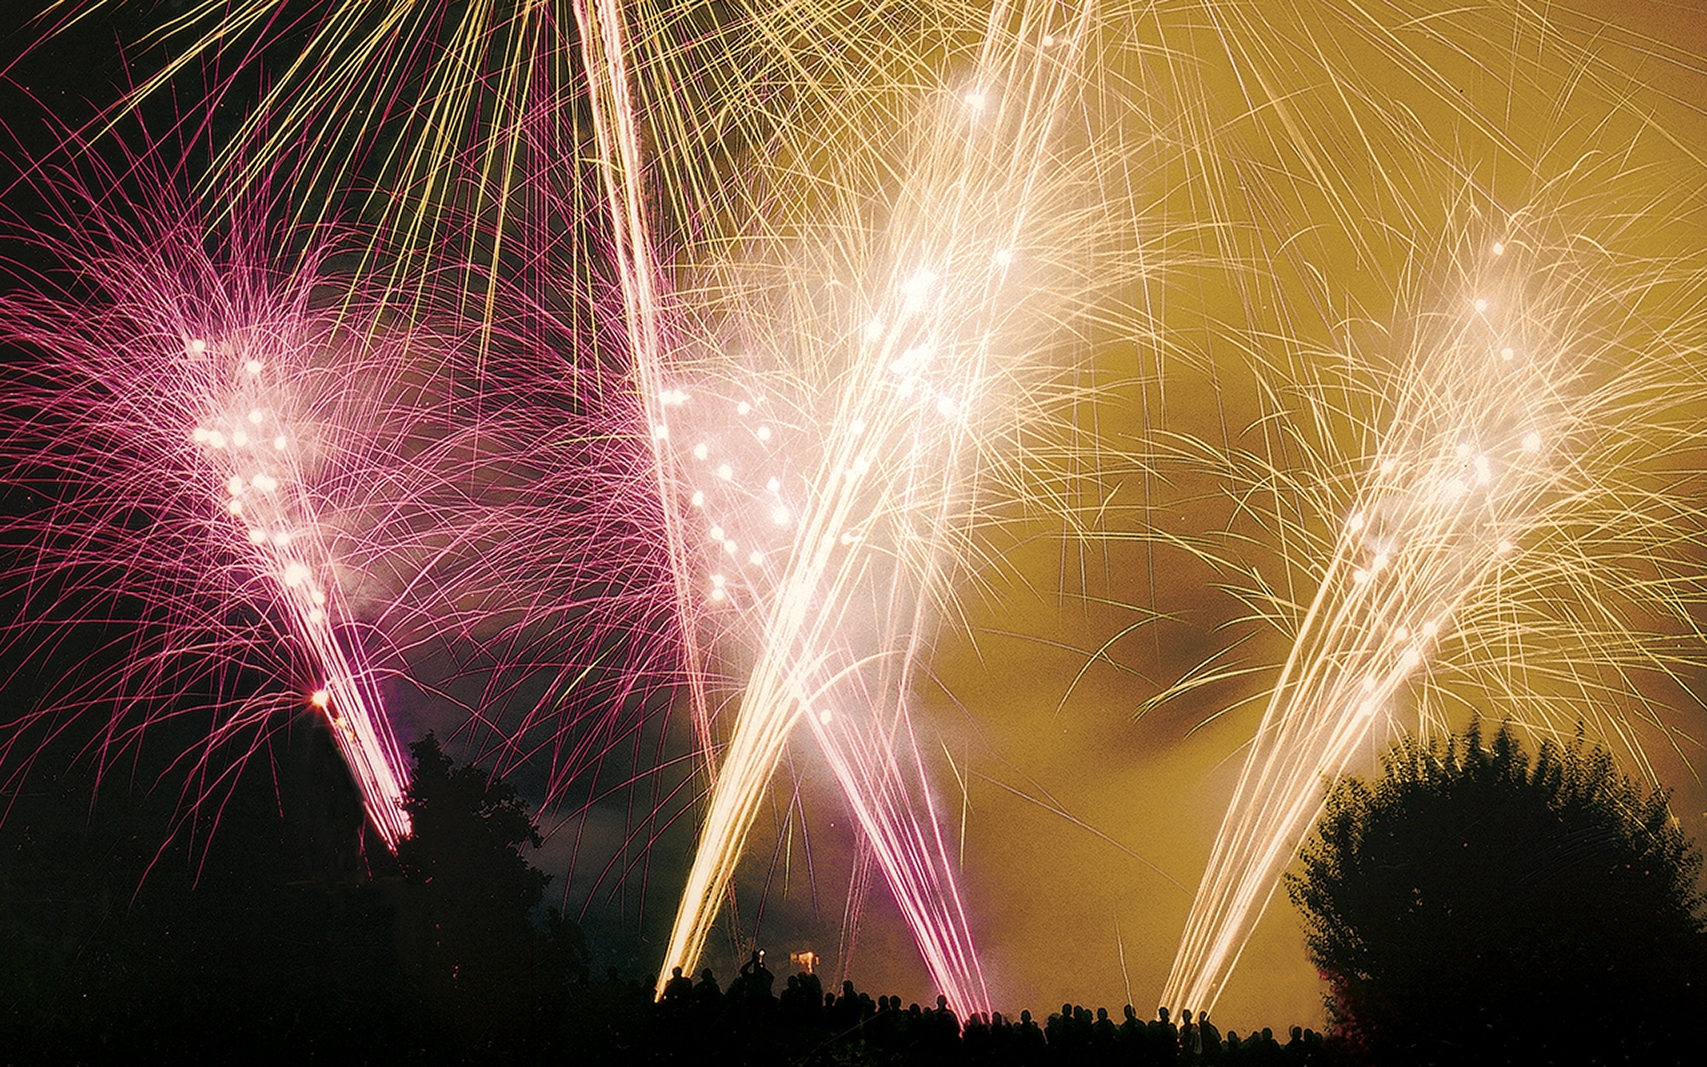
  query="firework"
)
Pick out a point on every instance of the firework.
point(221, 461)
point(1484, 546)
point(825, 480)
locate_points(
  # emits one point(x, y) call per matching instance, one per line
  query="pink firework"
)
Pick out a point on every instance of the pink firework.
point(241, 465)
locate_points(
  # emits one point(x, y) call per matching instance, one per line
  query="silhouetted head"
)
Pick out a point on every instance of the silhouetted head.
point(1102, 1015)
point(1131, 1014)
point(1185, 1016)
point(1025, 1015)
point(1297, 1033)
point(1162, 1014)
point(705, 975)
point(675, 972)
point(941, 1002)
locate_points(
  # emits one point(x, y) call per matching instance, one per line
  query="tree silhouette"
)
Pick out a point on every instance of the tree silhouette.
point(465, 923)
point(1471, 906)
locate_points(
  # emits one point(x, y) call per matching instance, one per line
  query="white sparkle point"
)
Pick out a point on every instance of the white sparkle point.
point(279, 443)
point(725, 472)
point(295, 574)
point(196, 347)
point(698, 499)
point(1481, 305)
point(253, 367)
point(320, 698)
point(1499, 248)
point(1532, 442)
point(743, 409)
point(825, 715)
point(755, 557)
point(779, 515)
point(700, 451)
point(763, 433)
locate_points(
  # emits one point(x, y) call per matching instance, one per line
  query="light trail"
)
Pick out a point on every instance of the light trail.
point(250, 448)
point(830, 478)
point(200, 433)
point(1509, 450)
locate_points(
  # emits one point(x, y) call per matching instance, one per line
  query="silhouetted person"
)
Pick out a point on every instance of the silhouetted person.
point(1211, 1038)
point(811, 992)
point(1029, 1041)
point(1164, 1038)
point(678, 990)
point(707, 998)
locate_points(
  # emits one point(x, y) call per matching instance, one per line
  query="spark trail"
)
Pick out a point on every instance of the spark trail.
point(1512, 450)
point(823, 485)
point(197, 428)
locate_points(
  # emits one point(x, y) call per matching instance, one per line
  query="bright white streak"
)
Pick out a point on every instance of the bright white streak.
point(1462, 473)
point(840, 616)
point(280, 533)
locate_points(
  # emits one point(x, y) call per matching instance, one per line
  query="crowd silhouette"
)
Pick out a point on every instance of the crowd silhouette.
point(753, 1022)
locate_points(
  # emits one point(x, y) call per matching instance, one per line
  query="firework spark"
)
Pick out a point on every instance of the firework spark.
point(1508, 478)
point(218, 457)
point(825, 473)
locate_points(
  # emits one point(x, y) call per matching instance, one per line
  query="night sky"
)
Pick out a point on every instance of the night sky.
point(1300, 204)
